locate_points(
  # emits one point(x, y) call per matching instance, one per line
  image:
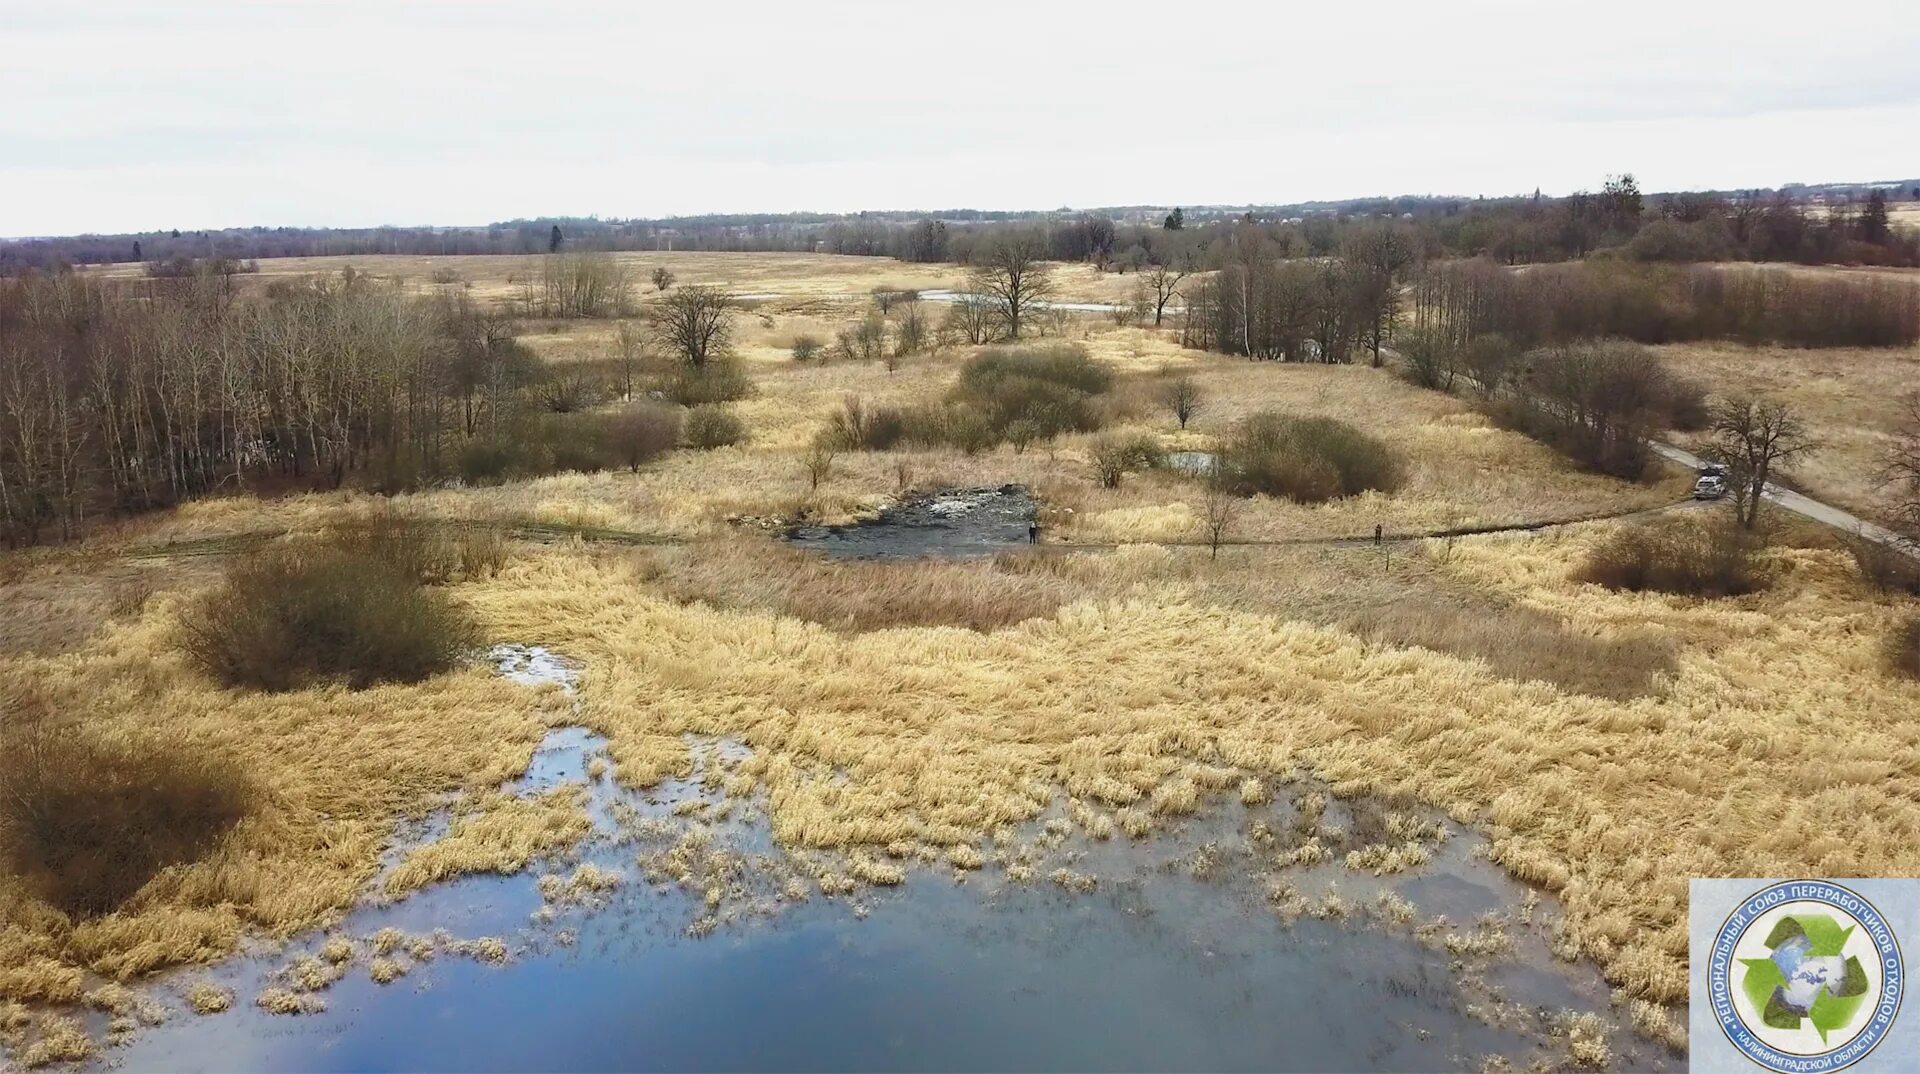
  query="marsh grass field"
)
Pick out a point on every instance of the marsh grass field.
point(898, 719)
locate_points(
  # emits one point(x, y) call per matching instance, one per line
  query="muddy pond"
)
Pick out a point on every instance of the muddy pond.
point(955, 523)
point(1061, 951)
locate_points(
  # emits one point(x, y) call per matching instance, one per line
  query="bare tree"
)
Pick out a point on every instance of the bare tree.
point(970, 319)
point(694, 324)
point(1164, 282)
point(630, 354)
point(1219, 509)
point(1016, 281)
point(1183, 397)
point(1753, 437)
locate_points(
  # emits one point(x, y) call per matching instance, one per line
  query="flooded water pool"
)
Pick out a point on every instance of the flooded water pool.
point(1062, 951)
point(949, 523)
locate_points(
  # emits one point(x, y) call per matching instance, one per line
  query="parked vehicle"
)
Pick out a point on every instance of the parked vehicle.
point(1711, 484)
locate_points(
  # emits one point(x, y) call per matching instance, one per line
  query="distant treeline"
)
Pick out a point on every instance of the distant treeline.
point(1546, 304)
point(1852, 226)
point(118, 396)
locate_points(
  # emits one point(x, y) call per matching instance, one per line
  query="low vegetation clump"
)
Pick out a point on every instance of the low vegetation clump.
point(1883, 568)
point(86, 822)
point(1903, 648)
point(1307, 459)
point(1687, 557)
point(710, 426)
point(293, 616)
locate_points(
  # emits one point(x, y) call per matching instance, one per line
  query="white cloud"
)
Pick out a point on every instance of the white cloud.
point(133, 115)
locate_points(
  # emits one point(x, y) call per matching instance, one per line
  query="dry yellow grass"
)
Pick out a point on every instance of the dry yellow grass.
point(499, 833)
point(1473, 677)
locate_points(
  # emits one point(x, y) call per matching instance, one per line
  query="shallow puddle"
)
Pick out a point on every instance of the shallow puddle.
point(951, 523)
point(1062, 952)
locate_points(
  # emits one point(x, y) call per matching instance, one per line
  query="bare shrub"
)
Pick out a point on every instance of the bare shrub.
point(1430, 356)
point(1309, 460)
point(806, 348)
point(643, 432)
point(87, 821)
point(864, 341)
point(712, 426)
point(818, 464)
point(1882, 568)
point(662, 278)
point(293, 616)
point(1113, 457)
point(1685, 556)
point(859, 427)
point(1594, 402)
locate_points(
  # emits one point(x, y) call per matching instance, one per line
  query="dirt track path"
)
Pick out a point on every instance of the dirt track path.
point(1806, 505)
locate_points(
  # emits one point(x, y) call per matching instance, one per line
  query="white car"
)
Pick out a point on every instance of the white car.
point(1712, 484)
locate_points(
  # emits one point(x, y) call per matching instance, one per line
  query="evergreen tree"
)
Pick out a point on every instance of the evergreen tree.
point(554, 240)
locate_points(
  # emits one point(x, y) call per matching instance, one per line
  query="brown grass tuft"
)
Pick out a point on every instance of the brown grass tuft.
point(853, 596)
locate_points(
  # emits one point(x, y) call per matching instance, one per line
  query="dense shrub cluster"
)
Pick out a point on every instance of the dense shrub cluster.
point(718, 381)
point(347, 612)
point(1004, 395)
point(1597, 403)
point(571, 441)
point(1687, 556)
point(1037, 392)
point(1309, 460)
point(85, 822)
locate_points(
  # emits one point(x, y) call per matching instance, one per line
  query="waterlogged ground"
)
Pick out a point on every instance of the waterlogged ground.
point(680, 938)
point(951, 523)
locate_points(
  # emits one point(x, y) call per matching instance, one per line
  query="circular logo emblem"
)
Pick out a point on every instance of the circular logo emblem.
point(1805, 977)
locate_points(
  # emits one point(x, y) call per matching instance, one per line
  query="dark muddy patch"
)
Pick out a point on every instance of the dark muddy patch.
point(949, 523)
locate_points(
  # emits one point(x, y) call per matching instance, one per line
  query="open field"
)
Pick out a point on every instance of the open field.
point(1609, 744)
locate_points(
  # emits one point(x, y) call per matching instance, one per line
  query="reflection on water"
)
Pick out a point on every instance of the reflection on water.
point(1166, 954)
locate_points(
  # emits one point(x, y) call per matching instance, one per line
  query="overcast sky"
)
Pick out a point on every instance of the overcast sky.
point(150, 115)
